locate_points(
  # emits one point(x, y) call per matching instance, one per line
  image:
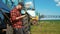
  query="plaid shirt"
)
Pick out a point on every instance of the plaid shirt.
point(15, 23)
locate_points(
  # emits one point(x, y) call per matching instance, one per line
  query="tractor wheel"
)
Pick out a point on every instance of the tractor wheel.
point(34, 22)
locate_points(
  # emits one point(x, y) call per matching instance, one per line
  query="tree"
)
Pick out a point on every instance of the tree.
point(41, 16)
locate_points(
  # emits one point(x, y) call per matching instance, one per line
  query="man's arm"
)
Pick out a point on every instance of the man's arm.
point(13, 16)
point(20, 17)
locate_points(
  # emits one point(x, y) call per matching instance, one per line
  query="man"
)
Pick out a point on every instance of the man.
point(16, 18)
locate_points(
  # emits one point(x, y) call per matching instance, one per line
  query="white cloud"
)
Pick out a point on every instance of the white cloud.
point(57, 2)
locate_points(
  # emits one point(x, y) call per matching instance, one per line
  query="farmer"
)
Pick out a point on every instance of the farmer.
point(16, 18)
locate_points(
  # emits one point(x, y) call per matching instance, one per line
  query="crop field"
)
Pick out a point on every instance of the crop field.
point(46, 27)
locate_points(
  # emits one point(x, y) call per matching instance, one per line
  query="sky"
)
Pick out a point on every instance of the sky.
point(48, 7)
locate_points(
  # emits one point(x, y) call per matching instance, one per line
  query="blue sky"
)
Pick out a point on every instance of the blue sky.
point(47, 7)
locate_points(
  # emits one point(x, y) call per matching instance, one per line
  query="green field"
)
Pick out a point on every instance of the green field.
point(46, 27)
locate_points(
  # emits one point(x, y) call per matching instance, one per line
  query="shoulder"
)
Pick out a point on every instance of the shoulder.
point(13, 11)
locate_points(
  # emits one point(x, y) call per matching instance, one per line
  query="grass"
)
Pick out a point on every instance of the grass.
point(46, 27)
